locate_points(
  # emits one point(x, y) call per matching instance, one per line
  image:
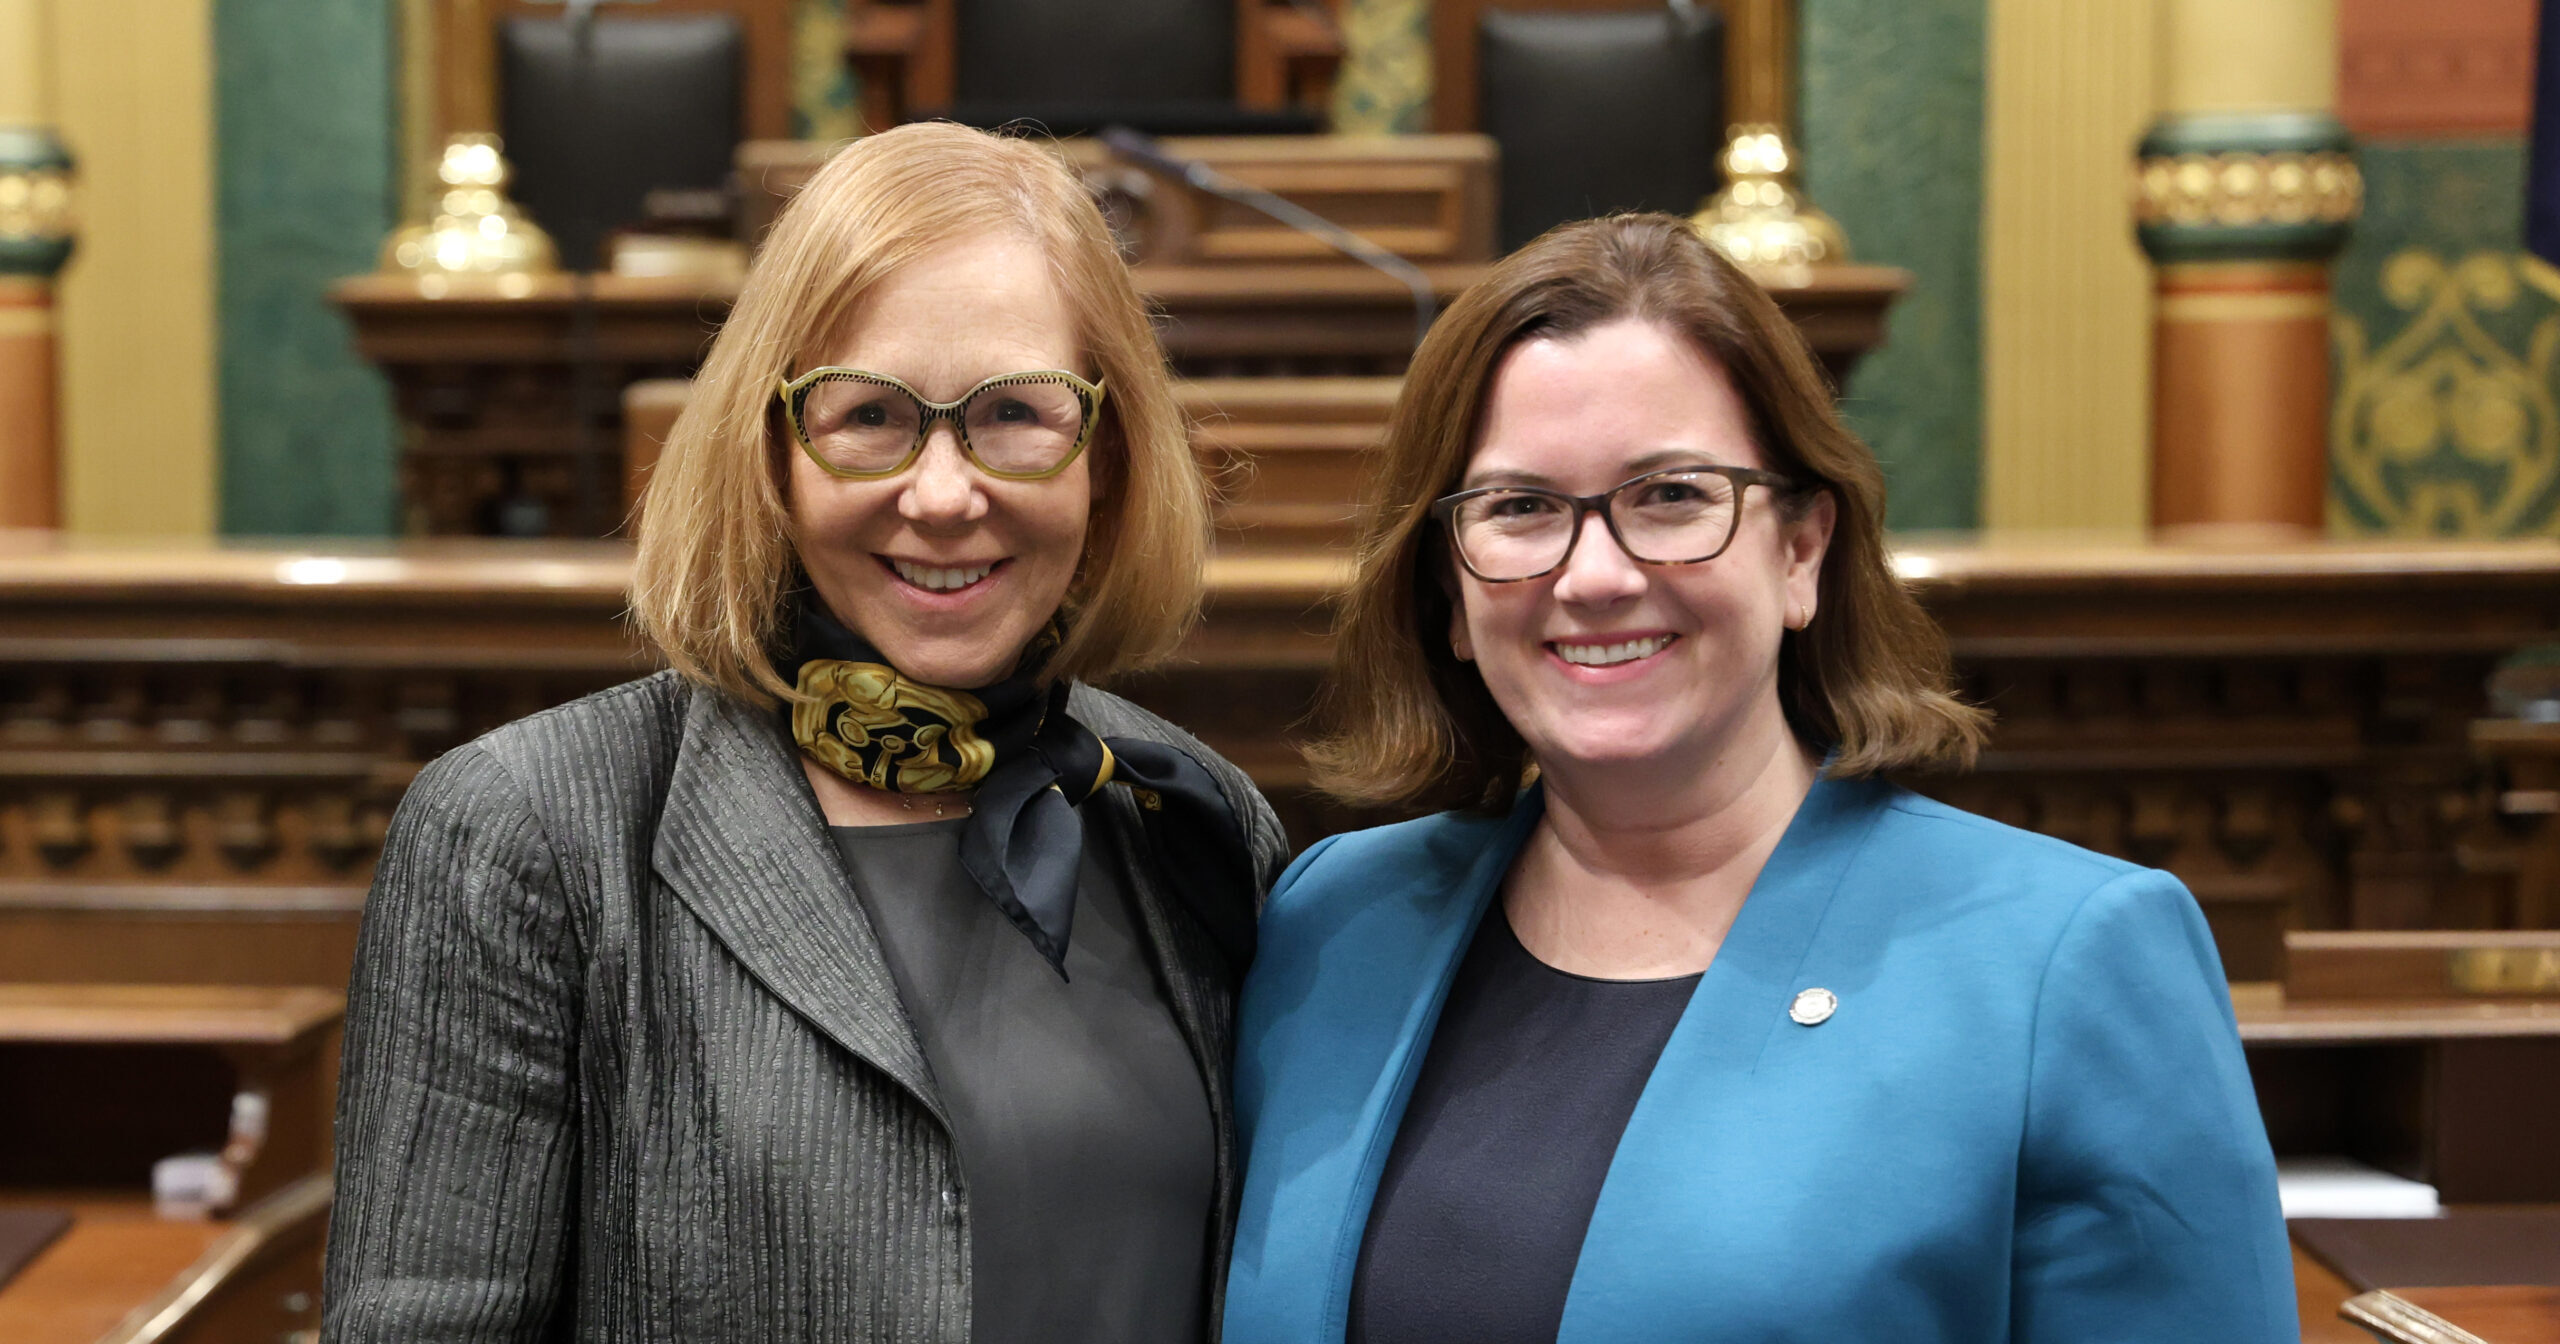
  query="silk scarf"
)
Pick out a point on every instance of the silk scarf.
point(1032, 765)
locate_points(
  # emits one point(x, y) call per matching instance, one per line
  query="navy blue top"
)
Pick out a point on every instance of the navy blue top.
point(1487, 1193)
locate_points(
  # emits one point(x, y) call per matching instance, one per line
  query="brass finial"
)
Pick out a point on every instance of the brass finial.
point(476, 229)
point(1760, 219)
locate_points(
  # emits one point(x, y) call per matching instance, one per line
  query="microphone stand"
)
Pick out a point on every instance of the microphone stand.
point(585, 359)
point(1147, 152)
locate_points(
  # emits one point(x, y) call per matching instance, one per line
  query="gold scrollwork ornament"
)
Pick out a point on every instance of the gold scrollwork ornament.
point(865, 722)
point(2443, 429)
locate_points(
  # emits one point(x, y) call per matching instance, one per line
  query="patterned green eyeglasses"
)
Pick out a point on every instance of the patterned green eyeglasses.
point(1015, 426)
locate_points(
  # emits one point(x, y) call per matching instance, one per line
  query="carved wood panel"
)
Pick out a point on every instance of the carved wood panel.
point(194, 745)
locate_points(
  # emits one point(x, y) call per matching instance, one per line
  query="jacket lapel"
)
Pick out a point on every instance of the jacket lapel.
point(1424, 955)
point(742, 844)
point(1741, 1003)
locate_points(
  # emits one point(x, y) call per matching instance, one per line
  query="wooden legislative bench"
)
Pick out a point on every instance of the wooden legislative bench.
point(100, 1081)
point(2435, 1056)
point(511, 387)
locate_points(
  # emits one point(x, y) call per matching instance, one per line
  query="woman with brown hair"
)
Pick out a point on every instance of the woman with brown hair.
point(1709, 1032)
point(829, 985)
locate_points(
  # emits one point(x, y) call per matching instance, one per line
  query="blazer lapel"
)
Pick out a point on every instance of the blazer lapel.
point(1740, 1004)
point(742, 844)
point(1418, 962)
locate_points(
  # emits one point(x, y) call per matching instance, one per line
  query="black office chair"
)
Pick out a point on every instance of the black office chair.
point(1600, 112)
point(1166, 67)
point(654, 108)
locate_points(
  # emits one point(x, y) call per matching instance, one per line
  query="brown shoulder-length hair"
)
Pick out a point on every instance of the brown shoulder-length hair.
point(717, 555)
point(1406, 724)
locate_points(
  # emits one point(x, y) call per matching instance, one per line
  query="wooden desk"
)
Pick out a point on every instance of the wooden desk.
point(273, 1119)
point(200, 746)
point(122, 1275)
point(2462, 1098)
point(1426, 198)
point(116, 1256)
point(2528, 754)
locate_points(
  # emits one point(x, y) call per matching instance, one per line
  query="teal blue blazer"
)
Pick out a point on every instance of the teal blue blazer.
point(2027, 1120)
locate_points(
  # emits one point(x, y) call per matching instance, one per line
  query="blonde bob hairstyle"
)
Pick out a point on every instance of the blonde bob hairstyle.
point(717, 553)
point(1406, 724)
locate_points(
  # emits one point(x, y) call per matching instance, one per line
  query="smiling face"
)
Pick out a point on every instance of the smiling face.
point(948, 571)
point(1607, 661)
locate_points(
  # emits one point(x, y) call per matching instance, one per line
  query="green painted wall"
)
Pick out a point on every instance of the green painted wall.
point(2447, 351)
point(1892, 107)
point(304, 125)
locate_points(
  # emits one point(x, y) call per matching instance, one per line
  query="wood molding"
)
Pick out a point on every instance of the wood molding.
point(2442, 68)
point(2286, 728)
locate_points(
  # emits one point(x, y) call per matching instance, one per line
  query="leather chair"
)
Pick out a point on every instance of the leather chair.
point(656, 109)
point(1597, 112)
point(1169, 67)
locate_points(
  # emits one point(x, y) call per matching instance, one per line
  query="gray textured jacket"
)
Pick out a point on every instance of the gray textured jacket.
point(623, 1061)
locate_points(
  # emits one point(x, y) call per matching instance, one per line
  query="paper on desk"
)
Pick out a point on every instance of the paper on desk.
point(2339, 1187)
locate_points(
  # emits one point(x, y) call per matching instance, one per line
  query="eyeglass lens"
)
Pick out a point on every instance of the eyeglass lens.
point(1019, 429)
point(1665, 518)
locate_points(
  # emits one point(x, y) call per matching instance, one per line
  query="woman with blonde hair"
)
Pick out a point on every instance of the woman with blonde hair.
point(1710, 1032)
point(866, 975)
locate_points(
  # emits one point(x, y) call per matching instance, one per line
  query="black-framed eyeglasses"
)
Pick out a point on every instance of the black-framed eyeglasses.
point(1679, 516)
point(1016, 426)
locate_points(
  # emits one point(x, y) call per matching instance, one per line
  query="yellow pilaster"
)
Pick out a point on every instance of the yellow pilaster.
point(26, 83)
point(2247, 55)
point(2066, 293)
point(135, 101)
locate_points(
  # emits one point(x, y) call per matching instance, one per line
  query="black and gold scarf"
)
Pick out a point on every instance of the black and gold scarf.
point(1032, 765)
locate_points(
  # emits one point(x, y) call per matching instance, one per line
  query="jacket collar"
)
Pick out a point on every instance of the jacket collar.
point(1747, 985)
point(743, 845)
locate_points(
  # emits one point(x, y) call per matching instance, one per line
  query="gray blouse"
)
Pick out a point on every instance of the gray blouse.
point(1080, 1117)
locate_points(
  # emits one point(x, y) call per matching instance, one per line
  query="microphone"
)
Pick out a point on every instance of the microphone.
point(1147, 152)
